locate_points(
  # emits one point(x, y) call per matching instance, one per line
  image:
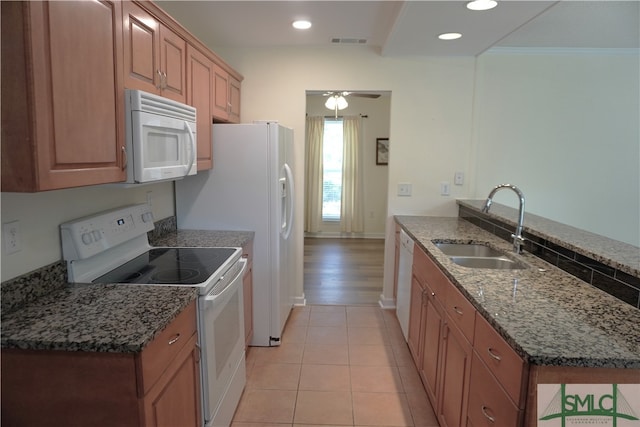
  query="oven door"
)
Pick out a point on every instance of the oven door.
point(163, 147)
point(222, 345)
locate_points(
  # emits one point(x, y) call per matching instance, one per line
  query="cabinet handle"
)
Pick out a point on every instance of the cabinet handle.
point(159, 85)
point(174, 339)
point(492, 354)
point(164, 80)
point(125, 159)
point(487, 416)
point(457, 310)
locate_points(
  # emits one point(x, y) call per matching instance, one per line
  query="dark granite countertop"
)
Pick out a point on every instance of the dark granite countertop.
point(548, 316)
point(105, 318)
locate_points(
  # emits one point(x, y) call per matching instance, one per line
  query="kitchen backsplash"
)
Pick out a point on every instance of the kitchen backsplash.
point(611, 280)
point(21, 290)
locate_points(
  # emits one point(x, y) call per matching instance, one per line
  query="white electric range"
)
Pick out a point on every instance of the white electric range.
point(112, 247)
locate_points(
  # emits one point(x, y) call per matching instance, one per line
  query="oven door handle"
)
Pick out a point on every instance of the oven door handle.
point(219, 294)
point(192, 155)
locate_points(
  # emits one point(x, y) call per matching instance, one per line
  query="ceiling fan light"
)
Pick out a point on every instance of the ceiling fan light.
point(342, 103)
point(482, 4)
point(331, 103)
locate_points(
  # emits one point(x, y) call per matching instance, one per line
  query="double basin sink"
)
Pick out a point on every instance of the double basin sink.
point(475, 255)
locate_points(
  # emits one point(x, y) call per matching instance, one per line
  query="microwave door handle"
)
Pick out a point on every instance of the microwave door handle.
point(193, 147)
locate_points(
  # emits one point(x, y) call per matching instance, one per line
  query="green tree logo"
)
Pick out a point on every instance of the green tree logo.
point(585, 407)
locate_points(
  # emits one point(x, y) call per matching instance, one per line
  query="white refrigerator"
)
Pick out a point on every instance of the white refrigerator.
point(250, 188)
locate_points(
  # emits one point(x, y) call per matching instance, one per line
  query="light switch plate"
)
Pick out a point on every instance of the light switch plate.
point(404, 189)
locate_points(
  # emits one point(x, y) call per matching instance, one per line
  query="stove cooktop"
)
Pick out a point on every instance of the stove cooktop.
point(170, 266)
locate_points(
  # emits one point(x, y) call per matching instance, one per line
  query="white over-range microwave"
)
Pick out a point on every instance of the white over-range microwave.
point(161, 139)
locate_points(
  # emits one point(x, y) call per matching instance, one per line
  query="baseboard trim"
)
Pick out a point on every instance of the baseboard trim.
point(300, 301)
point(338, 235)
point(386, 303)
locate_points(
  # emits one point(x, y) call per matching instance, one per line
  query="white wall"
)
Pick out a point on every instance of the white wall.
point(430, 131)
point(565, 129)
point(40, 214)
point(375, 177)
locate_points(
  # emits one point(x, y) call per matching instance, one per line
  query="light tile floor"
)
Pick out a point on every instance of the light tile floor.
point(337, 365)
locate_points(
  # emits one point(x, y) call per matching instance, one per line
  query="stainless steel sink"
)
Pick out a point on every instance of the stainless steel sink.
point(471, 249)
point(498, 263)
point(477, 255)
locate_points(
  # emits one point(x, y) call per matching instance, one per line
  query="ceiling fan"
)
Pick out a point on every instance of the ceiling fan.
point(336, 99)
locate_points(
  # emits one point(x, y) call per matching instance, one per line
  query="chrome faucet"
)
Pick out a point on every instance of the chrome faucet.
point(518, 240)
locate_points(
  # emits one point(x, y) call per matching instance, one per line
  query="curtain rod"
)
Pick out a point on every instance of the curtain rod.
point(364, 116)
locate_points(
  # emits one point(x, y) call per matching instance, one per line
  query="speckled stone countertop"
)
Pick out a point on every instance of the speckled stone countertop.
point(204, 238)
point(548, 316)
point(107, 318)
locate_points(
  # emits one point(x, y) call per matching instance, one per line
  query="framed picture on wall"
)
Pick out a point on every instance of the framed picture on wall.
point(382, 151)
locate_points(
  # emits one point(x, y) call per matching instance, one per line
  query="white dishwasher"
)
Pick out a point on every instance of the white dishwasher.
point(403, 294)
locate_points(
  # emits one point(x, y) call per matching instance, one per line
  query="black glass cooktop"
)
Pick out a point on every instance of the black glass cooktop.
point(164, 266)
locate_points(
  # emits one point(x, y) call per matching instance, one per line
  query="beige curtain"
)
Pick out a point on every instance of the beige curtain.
point(352, 203)
point(313, 180)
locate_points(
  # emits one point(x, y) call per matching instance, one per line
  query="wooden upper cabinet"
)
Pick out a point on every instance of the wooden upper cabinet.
point(200, 72)
point(155, 56)
point(62, 105)
point(226, 96)
point(234, 100)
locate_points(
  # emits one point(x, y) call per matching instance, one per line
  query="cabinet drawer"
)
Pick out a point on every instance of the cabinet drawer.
point(427, 272)
point(155, 358)
point(489, 404)
point(460, 311)
point(500, 358)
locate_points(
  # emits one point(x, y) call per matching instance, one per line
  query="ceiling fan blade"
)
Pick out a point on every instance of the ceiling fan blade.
point(365, 95)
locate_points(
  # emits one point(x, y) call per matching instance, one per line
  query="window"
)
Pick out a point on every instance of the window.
point(332, 170)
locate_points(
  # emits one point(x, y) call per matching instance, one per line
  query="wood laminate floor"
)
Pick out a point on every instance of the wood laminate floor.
point(343, 271)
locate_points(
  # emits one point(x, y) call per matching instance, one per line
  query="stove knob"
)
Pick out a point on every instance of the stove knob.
point(147, 217)
point(86, 238)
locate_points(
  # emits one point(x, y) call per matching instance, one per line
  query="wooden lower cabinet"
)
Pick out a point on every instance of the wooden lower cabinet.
point(158, 387)
point(471, 375)
point(455, 371)
point(432, 338)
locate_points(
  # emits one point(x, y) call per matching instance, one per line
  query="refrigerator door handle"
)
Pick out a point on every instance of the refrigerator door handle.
point(289, 202)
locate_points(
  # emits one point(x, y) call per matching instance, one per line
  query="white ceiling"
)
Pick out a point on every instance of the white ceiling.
point(401, 28)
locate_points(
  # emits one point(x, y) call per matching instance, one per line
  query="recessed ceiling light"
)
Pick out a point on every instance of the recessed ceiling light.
point(482, 4)
point(449, 36)
point(301, 25)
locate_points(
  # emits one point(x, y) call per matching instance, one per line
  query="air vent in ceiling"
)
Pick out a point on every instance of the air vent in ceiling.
point(348, 40)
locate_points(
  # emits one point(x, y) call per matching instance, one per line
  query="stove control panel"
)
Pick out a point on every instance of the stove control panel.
point(88, 236)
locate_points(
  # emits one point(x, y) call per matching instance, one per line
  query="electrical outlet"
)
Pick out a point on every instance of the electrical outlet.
point(12, 237)
point(150, 198)
point(404, 189)
point(444, 188)
point(458, 178)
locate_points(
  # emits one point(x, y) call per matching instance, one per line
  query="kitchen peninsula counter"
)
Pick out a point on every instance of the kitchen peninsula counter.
point(102, 317)
point(549, 317)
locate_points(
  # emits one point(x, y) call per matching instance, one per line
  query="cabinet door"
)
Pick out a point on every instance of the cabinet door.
point(432, 334)
point(415, 322)
point(70, 130)
point(173, 53)
point(200, 95)
point(175, 398)
point(455, 372)
point(234, 100)
point(141, 49)
point(220, 94)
